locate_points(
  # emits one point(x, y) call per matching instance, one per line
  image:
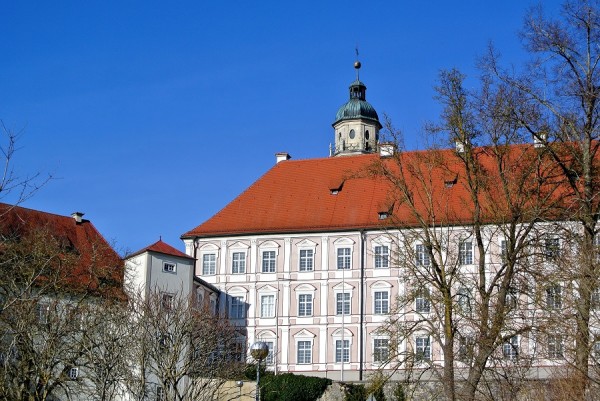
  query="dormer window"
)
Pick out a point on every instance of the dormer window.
point(335, 186)
point(383, 215)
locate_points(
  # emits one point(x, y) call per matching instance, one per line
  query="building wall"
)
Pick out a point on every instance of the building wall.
point(285, 327)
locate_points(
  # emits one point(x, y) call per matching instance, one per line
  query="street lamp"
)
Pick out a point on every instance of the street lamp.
point(239, 384)
point(259, 351)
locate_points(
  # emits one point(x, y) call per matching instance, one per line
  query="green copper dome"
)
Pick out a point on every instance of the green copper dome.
point(357, 106)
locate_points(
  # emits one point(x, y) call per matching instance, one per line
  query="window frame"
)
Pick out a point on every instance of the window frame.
point(238, 262)
point(306, 259)
point(345, 259)
point(381, 353)
point(264, 305)
point(463, 300)
point(169, 267)
point(305, 308)
point(423, 350)
point(342, 350)
point(382, 256)
point(268, 264)
point(344, 302)
point(380, 303)
point(422, 257)
point(510, 348)
point(423, 300)
point(207, 264)
point(553, 297)
point(551, 248)
point(302, 359)
point(237, 308)
point(166, 301)
point(555, 346)
point(465, 252)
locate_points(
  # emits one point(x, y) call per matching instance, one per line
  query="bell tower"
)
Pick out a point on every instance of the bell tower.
point(356, 126)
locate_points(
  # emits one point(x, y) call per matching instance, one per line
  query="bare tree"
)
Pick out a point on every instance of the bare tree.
point(20, 187)
point(466, 224)
point(562, 85)
point(184, 351)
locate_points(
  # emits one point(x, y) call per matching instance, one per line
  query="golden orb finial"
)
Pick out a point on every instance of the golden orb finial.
point(357, 64)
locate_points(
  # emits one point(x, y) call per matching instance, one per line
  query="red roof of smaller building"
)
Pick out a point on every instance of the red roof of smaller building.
point(96, 268)
point(162, 247)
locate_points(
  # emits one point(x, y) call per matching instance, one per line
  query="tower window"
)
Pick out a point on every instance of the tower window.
point(352, 134)
point(367, 135)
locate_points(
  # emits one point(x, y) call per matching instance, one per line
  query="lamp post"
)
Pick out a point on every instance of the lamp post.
point(259, 351)
point(239, 384)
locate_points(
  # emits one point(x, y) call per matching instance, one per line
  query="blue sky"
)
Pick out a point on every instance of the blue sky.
point(152, 116)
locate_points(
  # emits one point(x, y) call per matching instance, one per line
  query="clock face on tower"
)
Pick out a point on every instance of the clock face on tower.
point(352, 134)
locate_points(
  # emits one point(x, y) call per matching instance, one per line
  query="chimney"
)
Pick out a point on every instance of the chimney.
point(540, 139)
point(78, 217)
point(387, 149)
point(282, 156)
point(460, 146)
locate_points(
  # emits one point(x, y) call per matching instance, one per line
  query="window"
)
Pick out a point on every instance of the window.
point(160, 393)
point(381, 350)
point(304, 352)
point(510, 348)
point(343, 258)
point(305, 303)
point(503, 251)
point(270, 359)
point(42, 310)
point(306, 260)
point(423, 348)
point(169, 267)
point(554, 297)
point(166, 301)
point(267, 306)
point(342, 351)
point(597, 349)
point(209, 264)
point(422, 255)
point(73, 373)
point(465, 253)
point(382, 302)
point(238, 308)
point(464, 300)
point(238, 263)
point(268, 262)
point(512, 298)
point(551, 248)
point(422, 302)
point(555, 347)
point(465, 348)
point(595, 298)
point(238, 353)
point(382, 257)
point(342, 305)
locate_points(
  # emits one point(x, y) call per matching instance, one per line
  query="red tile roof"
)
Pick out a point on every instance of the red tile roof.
point(97, 267)
point(299, 196)
point(164, 248)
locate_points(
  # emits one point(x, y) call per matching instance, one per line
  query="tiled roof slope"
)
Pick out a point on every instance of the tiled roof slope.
point(162, 247)
point(97, 268)
point(296, 196)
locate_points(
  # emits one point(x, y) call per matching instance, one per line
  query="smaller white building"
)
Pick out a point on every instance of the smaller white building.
point(163, 268)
